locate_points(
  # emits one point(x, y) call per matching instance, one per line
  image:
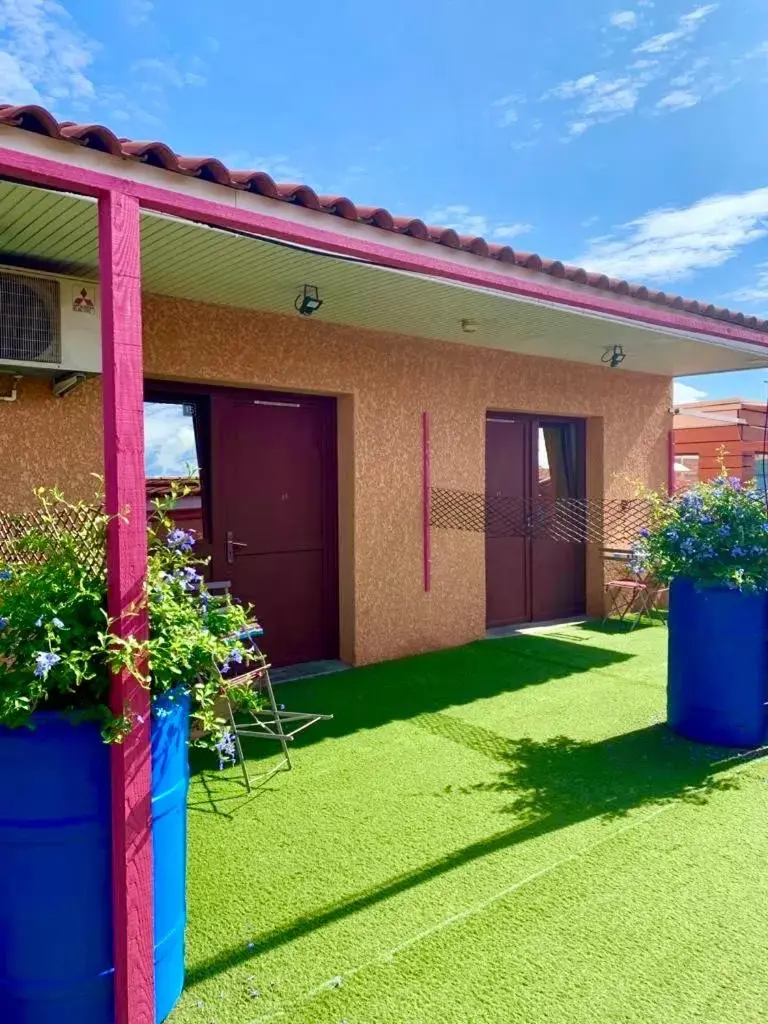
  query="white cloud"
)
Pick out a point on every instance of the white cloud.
point(688, 77)
point(167, 72)
point(757, 292)
point(44, 58)
point(511, 230)
point(623, 19)
point(600, 97)
point(668, 244)
point(137, 12)
point(278, 166)
point(683, 393)
point(169, 441)
point(509, 109)
point(465, 222)
point(687, 26)
point(617, 96)
point(579, 127)
point(678, 99)
point(642, 64)
point(576, 87)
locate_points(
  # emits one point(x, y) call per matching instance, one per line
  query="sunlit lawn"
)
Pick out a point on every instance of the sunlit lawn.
point(505, 833)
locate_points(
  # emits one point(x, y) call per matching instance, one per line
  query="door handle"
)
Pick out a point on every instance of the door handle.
point(231, 545)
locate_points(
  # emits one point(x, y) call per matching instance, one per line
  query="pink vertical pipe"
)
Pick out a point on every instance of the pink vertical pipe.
point(427, 500)
point(671, 462)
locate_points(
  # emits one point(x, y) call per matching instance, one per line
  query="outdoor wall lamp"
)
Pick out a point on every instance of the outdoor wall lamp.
point(308, 301)
point(613, 356)
point(469, 326)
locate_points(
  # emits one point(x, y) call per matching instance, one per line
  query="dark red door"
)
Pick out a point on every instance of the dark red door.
point(275, 535)
point(534, 559)
point(507, 488)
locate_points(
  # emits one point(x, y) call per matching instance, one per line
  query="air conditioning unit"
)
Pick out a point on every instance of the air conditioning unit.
point(49, 325)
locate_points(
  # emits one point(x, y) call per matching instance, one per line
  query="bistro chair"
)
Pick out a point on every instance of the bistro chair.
point(632, 592)
point(272, 722)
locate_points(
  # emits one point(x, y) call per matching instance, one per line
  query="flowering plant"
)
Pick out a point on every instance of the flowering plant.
point(716, 533)
point(56, 647)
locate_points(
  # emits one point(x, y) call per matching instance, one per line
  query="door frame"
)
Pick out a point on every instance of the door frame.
point(533, 422)
point(176, 391)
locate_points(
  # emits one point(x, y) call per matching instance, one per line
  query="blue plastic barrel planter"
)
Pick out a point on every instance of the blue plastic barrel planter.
point(56, 961)
point(717, 683)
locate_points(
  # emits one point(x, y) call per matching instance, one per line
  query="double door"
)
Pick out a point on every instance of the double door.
point(535, 479)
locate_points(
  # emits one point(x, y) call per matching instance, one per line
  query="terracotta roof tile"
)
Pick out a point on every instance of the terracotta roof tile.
point(36, 119)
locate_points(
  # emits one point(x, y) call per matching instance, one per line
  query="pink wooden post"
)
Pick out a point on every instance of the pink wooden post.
point(123, 384)
point(427, 500)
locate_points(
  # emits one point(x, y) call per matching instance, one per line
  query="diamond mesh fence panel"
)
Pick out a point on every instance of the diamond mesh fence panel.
point(23, 535)
point(609, 523)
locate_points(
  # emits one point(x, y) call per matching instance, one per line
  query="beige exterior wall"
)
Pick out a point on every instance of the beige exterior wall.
point(384, 383)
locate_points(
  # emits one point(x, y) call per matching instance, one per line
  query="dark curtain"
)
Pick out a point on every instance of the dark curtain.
point(561, 441)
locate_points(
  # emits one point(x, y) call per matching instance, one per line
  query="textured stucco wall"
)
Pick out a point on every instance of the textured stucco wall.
point(386, 382)
point(48, 442)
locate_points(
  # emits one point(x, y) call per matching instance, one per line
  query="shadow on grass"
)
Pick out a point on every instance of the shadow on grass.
point(369, 697)
point(551, 784)
point(618, 627)
point(563, 781)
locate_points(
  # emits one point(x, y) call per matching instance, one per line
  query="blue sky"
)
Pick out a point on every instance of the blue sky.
point(626, 135)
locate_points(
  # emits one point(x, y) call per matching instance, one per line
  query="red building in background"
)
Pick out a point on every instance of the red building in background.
point(731, 430)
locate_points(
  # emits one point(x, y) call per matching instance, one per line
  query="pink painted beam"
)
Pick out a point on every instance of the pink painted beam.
point(481, 272)
point(123, 384)
point(427, 500)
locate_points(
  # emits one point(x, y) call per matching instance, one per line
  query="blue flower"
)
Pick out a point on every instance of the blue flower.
point(236, 656)
point(706, 520)
point(5, 575)
point(39, 622)
point(188, 578)
point(57, 623)
point(180, 540)
point(645, 532)
point(734, 482)
point(672, 534)
point(44, 662)
point(688, 546)
point(227, 748)
point(708, 552)
point(738, 552)
point(724, 530)
point(3, 622)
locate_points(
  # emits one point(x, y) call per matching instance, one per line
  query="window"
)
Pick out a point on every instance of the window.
point(558, 467)
point(686, 471)
point(174, 450)
point(761, 468)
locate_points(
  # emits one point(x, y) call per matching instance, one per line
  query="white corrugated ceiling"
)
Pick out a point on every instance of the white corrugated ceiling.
point(58, 232)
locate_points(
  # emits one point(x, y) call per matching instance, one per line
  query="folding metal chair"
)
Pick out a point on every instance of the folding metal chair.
point(273, 722)
point(634, 593)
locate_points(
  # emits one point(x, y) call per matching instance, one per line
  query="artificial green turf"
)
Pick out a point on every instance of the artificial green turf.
point(505, 833)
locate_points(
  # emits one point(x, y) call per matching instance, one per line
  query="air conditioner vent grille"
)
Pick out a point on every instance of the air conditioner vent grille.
point(30, 318)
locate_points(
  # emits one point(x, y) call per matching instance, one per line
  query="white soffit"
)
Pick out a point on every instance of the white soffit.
point(58, 231)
